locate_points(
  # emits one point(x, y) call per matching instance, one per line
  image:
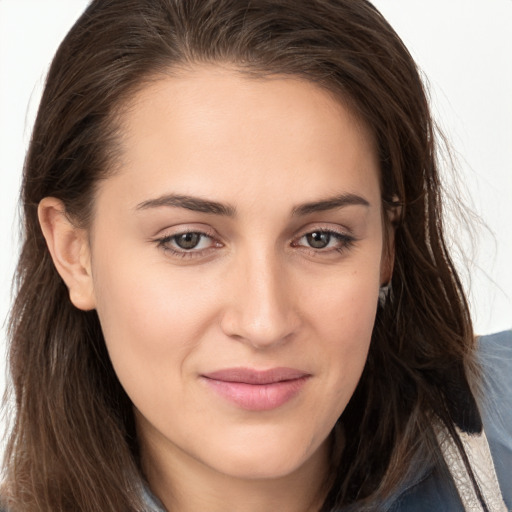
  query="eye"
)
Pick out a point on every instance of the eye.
point(187, 240)
point(187, 244)
point(325, 240)
point(318, 239)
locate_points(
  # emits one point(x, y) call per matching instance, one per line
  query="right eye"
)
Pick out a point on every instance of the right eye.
point(187, 243)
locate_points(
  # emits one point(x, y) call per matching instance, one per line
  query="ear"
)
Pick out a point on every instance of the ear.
point(70, 251)
point(388, 258)
point(388, 247)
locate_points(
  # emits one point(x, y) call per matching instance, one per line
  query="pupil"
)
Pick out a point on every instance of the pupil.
point(187, 240)
point(318, 240)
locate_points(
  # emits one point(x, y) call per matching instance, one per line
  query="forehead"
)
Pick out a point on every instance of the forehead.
point(202, 91)
point(213, 130)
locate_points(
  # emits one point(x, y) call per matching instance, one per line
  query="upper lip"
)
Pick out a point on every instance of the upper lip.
point(253, 376)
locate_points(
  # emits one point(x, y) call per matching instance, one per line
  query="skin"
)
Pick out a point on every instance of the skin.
point(253, 293)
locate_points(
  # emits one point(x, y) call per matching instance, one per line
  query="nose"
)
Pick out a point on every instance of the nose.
point(260, 310)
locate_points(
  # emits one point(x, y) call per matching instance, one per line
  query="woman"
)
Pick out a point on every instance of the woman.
point(234, 291)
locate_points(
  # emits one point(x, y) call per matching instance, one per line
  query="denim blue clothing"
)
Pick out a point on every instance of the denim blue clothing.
point(435, 492)
point(430, 489)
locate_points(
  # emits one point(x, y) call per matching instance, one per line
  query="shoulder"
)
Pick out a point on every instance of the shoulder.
point(495, 358)
point(495, 355)
point(435, 491)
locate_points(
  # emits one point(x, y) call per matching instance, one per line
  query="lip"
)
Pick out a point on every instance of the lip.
point(257, 390)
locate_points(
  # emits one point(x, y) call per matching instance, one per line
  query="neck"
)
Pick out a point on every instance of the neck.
point(185, 484)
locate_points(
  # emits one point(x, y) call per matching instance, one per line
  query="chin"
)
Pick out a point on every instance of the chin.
point(260, 460)
point(258, 468)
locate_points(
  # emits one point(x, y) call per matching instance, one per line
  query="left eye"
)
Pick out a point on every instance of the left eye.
point(324, 240)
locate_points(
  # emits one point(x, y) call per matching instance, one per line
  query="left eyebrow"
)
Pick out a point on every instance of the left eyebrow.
point(331, 203)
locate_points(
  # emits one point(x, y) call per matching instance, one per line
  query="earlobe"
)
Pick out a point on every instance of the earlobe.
point(70, 251)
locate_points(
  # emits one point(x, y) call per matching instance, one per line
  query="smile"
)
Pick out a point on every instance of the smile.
point(255, 390)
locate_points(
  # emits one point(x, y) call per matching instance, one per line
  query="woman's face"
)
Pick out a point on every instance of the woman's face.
point(236, 259)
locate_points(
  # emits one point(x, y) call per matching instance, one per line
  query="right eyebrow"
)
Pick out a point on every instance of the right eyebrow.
point(190, 203)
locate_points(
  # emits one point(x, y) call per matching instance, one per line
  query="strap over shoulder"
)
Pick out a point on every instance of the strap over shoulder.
point(476, 448)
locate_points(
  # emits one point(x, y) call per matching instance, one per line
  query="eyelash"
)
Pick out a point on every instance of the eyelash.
point(346, 241)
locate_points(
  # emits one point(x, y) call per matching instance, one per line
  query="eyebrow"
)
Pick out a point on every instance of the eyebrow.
point(215, 208)
point(195, 204)
point(331, 203)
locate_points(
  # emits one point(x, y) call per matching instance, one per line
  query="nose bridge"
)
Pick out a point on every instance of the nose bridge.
point(261, 311)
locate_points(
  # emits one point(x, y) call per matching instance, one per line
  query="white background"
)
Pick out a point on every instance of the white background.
point(463, 46)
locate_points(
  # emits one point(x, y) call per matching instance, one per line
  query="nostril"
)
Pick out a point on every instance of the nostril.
point(261, 327)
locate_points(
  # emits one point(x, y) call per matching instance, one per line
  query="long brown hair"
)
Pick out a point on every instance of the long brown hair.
point(73, 444)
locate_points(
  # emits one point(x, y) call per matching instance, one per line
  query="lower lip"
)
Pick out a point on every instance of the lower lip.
point(257, 397)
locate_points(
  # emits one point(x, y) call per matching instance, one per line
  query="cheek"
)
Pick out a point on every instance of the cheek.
point(151, 319)
point(344, 304)
point(344, 312)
